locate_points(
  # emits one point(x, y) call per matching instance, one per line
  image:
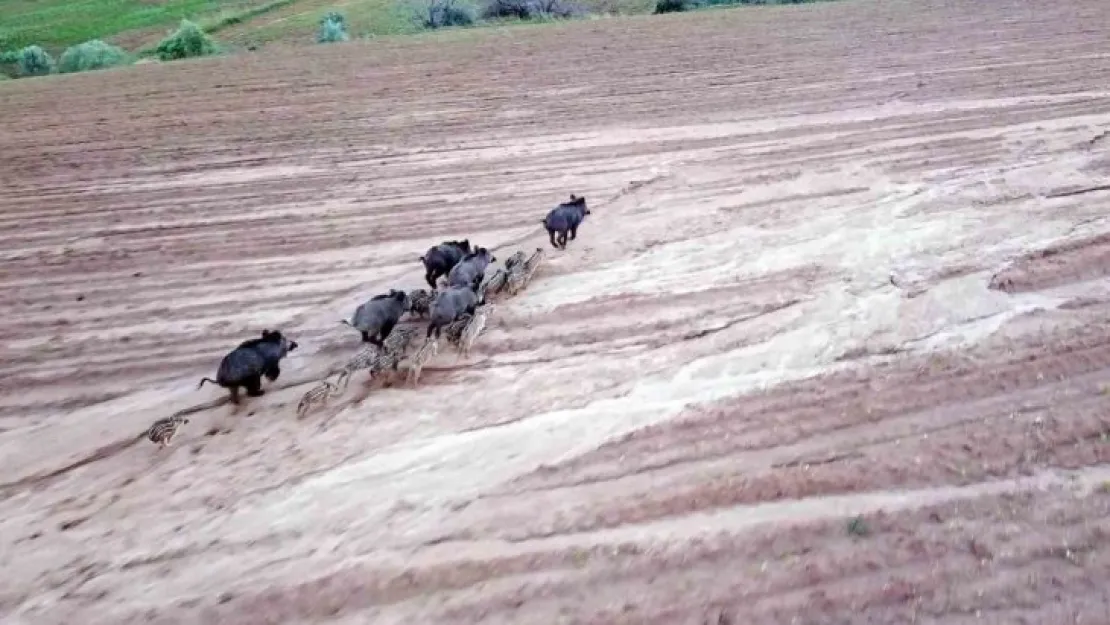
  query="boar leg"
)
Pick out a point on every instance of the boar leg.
point(387, 327)
point(254, 386)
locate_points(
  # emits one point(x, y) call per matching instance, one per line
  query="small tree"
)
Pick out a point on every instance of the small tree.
point(333, 28)
point(532, 9)
point(92, 55)
point(34, 61)
point(672, 6)
point(443, 13)
point(188, 41)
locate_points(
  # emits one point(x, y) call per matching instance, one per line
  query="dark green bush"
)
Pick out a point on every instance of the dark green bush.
point(674, 6)
point(444, 13)
point(188, 41)
point(532, 9)
point(34, 61)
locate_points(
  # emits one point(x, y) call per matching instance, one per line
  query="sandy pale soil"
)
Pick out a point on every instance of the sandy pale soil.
point(832, 348)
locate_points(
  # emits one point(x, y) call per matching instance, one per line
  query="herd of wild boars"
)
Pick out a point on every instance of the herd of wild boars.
point(461, 282)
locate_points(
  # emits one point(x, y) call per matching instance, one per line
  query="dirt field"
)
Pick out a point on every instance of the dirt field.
point(832, 347)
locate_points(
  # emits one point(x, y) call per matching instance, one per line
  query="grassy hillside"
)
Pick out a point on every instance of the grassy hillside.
point(134, 24)
point(298, 21)
point(138, 25)
point(56, 24)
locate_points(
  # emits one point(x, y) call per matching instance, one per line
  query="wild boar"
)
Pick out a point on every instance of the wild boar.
point(451, 304)
point(440, 259)
point(376, 317)
point(246, 364)
point(420, 301)
point(471, 269)
point(565, 218)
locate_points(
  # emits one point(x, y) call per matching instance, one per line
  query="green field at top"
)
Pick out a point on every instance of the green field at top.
point(56, 24)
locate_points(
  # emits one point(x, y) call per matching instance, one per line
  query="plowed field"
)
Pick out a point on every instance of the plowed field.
point(832, 347)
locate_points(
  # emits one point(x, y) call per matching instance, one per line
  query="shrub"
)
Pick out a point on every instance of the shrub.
point(443, 14)
point(34, 61)
point(333, 28)
point(188, 41)
point(91, 55)
point(532, 9)
point(673, 6)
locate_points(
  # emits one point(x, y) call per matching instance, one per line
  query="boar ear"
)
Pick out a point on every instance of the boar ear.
point(265, 333)
point(573, 197)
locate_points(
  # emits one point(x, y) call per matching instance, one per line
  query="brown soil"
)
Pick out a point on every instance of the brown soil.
point(833, 346)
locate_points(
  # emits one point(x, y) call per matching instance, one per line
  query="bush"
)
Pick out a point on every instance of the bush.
point(188, 41)
point(443, 14)
point(91, 55)
point(673, 6)
point(532, 9)
point(333, 28)
point(34, 61)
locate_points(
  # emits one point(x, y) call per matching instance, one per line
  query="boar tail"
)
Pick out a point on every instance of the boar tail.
point(203, 380)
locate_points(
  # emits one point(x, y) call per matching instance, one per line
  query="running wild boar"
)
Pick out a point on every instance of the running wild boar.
point(565, 218)
point(375, 318)
point(451, 303)
point(440, 259)
point(246, 364)
point(471, 269)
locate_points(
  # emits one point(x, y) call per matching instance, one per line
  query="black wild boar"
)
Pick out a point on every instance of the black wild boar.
point(565, 218)
point(471, 269)
point(376, 317)
point(439, 259)
point(246, 364)
point(450, 304)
